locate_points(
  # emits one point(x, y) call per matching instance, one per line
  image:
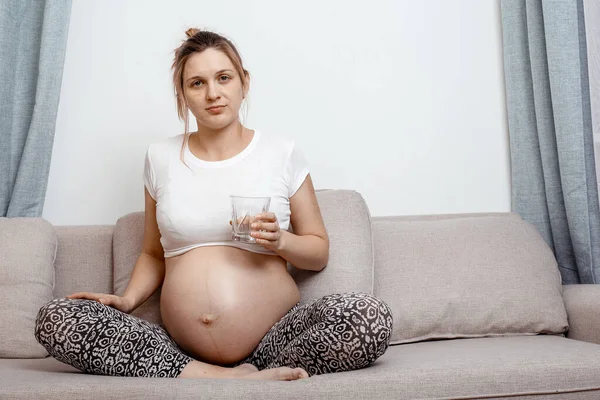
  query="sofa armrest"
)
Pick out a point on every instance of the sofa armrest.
point(582, 302)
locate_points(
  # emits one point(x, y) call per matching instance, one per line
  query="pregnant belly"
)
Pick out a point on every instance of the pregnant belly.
point(219, 301)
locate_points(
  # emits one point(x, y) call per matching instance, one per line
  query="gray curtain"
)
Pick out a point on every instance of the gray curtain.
point(33, 37)
point(549, 118)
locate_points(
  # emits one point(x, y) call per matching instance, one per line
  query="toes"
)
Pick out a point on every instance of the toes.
point(301, 373)
point(286, 374)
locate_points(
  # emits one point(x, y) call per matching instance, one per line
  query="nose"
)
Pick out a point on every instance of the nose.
point(212, 93)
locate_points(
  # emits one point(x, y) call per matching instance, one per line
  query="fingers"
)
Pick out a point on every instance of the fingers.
point(87, 295)
point(266, 216)
point(265, 226)
point(81, 295)
point(249, 219)
point(271, 236)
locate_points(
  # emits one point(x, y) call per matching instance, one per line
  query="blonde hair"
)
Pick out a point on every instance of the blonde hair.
point(197, 41)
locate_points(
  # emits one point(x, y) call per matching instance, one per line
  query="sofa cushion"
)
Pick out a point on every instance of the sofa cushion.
point(350, 266)
point(582, 302)
point(84, 259)
point(28, 249)
point(485, 275)
point(507, 368)
point(127, 247)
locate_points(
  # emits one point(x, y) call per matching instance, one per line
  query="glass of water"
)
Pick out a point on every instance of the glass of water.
point(243, 213)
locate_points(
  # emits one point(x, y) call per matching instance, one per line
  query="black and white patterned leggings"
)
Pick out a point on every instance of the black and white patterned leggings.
point(338, 332)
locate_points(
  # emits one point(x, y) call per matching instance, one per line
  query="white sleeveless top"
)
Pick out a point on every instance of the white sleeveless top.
point(193, 207)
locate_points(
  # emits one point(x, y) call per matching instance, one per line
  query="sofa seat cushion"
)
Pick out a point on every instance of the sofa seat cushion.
point(543, 367)
point(27, 253)
point(467, 276)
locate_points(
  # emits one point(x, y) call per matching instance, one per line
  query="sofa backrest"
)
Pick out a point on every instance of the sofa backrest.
point(444, 276)
point(84, 259)
point(466, 275)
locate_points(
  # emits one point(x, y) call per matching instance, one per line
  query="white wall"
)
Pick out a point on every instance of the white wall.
point(402, 101)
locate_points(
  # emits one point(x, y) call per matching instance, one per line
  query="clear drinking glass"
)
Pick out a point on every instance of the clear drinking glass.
point(243, 212)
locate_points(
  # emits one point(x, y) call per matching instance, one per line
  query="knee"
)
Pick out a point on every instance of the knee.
point(377, 310)
point(48, 318)
point(53, 316)
point(350, 306)
point(368, 315)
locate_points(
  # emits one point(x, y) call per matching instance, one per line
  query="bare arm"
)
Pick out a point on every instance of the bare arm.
point(149, 270)
point(308, 247)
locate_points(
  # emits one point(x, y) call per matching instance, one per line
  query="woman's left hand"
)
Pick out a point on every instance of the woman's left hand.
point(265, 229)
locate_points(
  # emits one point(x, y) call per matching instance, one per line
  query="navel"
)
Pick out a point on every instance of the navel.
point(208, 318)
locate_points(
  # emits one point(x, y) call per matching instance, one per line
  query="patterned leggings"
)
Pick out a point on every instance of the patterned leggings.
point(338, 332)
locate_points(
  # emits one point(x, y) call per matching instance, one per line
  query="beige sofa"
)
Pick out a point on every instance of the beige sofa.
point(479, 309)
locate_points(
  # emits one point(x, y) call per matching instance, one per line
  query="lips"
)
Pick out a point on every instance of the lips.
point(214, 108)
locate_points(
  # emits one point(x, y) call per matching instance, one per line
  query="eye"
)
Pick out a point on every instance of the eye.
point(224, 76)
point(196, 83)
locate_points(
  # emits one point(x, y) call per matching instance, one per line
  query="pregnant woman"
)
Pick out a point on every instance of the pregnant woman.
point(229, 309)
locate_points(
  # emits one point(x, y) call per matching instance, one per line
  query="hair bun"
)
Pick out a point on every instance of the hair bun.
point(191, 32)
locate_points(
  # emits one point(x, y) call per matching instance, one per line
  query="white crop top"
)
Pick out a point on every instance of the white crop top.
point(193, 208)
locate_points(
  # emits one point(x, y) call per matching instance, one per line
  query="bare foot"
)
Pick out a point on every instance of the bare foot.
point(197, 369)
point(278, 374)
point(244, 369)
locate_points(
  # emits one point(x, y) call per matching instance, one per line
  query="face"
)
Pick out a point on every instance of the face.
point(210, 79)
